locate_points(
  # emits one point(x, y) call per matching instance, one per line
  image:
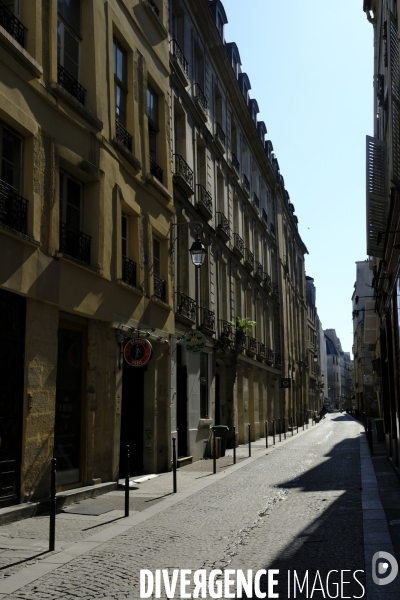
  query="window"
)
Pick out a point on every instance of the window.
point(73, 241)
point(11, 157)
point(128, 265)
point(203, 385)
point(120, 82)
point(152, 114)
point(159, 283)
point(68, 42)
point(124, 234)
point(13, 6)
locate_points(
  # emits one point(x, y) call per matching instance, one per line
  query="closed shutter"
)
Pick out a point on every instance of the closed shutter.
point(371, 332)
point(376, 194)
point(395, 101)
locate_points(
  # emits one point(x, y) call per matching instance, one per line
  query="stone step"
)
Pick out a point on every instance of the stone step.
point(184, 460)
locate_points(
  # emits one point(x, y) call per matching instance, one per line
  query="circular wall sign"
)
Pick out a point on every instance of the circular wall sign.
point(137, 352)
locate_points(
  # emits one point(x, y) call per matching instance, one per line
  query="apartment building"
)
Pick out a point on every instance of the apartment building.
point(86, 206)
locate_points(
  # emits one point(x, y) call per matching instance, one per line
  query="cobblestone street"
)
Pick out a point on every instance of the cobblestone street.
point(298, 508)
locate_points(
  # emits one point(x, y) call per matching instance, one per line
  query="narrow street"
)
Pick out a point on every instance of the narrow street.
point(299, 508)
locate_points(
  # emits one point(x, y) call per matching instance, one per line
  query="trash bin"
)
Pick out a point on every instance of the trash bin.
point(221, 431)
point(380, 434)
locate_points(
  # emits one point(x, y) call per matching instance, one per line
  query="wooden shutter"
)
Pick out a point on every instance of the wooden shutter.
point(376, 194)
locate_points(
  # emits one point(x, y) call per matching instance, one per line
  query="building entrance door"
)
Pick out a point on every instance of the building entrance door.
point(132, 419)
point(181, 407)
point(12, 347)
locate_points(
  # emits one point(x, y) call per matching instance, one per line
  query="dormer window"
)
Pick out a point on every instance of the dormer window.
point(219, 15)
point(220, 26)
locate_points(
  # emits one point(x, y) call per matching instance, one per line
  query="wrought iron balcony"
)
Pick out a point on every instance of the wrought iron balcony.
point(186, 307)
point(258, 271)
point(159, 288)
point(70, 84)
point(220, 136)
point(123, 136)
point(272, 229)
point(238, 245)
point(128, 271)
point(270, 356)
point(12, 25)
point(207, 319)
point(240, 339)
point(223, 226)
point(251, 345)
point(278, 360)
point(177, 53)
point(226, 331)
point(201, 99)
point(248, 259)
point(74, 243)
point(156, 170)
point(246, 185)
point(13, 208)
point(204, 201)
point(275, 288)
point(235, 163)
point(154, 7)
point(183, 174)
point(262, 351)
point(256, 201)
point(264, 216)
point(267, 282)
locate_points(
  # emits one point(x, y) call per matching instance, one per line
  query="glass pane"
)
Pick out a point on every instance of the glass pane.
point(74, 193)
point(152, 106)
point(71, 11)
point(11, 159)
point(73, 217)
point(156, 257)
point(120, 63)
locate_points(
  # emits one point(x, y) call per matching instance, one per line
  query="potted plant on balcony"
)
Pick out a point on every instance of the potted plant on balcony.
point(242, 326)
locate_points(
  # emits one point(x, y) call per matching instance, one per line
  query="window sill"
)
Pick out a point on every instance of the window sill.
point(160, 188)
point(64, 95)
point(155, 19)
point(132, 288)
point(79, 263)
point(161, 303)
point(205, 423)
point(22, 236)
point(20, 53)
point(127, 154)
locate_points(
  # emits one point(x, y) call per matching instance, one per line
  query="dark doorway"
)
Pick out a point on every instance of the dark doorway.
point(181, 405)
point(217, 401)
point(132, 419)
point(12, 348)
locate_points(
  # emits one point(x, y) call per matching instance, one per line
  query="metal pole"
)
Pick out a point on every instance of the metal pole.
point(292, 419)
point(53, 505)
point(297, 423)
point(273, 431)
point(307, 419)
point(174, 464)
point(127, 475)
point(214, 454)
point(280, 429)
point(284, 427)
point(266, 434)
point(302, 418)
point(249, 442)
point(234, 445)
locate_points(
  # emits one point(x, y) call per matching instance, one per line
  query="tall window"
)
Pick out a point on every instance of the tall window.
point(13, 6)
point(152, 114)
point(203, 385)
point(11, 157)
point(124, 235)
point(156, 256)
point(68, 41)
point(71, 202)
point(120, 83)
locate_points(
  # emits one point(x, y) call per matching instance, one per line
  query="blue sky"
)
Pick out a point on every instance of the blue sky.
point(310, 65)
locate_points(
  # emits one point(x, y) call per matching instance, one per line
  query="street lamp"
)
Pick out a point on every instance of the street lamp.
point(198, 253)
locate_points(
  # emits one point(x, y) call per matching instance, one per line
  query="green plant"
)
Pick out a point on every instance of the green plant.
point(243, 325)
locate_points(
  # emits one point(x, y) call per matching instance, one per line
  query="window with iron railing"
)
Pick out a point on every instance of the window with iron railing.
point(246, 184)
point(153, 128)
point(204, 198)
point(177, 52)
point(220, 134)
point(69, 48)
point(183, 169)
point(235, 162)
point(121, 94)
point(9, 20)
point(207, 318)
point(200, 97)
point(185, 306)
point(13, 208)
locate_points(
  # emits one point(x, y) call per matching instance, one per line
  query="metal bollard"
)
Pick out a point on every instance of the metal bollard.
point(174, 465)
point(273, 431)
point(280, 430)
point(292, 420)
point(266, 434)
point(297, 423)
point(234, 445)
point(53, 505)
point(214, 454)
point(127, 475)
point(284, 427)
point(302, 420)
point(249, 441)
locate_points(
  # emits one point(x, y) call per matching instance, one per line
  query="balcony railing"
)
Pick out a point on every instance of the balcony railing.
point(200, 97)
point(270, 356)
point(123, 136)
point(12, 25)
point(154, 7)
point(156, 170)
point(70, 84)
point(240, 339)
point(159, 288)
point(258, 270)
point(223, 225)
point(275, 288)
point(238, 244)
point(248, 259)
point(128, 271)
point(278, 360)
point(13, 208)
point(267, 281)
point(207, 319)
point(262, 350)
point(264, 216)
point(246, 184)
point(180, 57)
point(220, 134)
point(235, 162)
point(183, 169)
point(272, 229)
point(226, 330)
point(256, 201)
point(74, 243)
point(251, 345)
point(186, 306)
point(204, 198)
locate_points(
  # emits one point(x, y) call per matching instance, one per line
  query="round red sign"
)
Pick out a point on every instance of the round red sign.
point(137, 352)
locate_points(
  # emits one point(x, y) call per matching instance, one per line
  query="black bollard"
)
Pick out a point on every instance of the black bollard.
point(249, 441)
point(234, 445)
point(127, 475)
point(174, 465)
point(284, 427)
point(297, 423)
point(302, 418)
point(266, 434)
point(53, 506)
point(273, 431)
point(214, 454)
point(280, 430)
point(292, 421)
